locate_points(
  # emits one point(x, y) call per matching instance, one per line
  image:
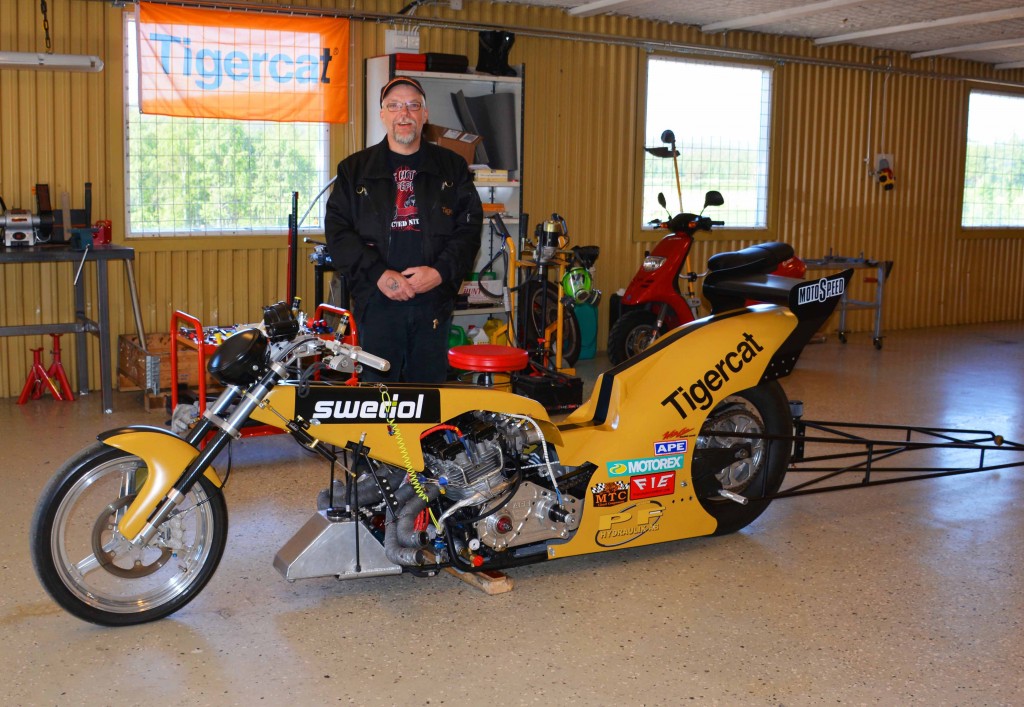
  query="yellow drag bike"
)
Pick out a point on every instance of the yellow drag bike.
point(691, 437)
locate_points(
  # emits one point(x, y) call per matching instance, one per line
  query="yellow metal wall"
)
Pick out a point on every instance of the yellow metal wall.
point(580, 153)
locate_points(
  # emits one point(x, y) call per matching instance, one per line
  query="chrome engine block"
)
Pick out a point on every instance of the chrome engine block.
point(533, 515)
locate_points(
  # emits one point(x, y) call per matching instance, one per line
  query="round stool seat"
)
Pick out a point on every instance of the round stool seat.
point(487, 358)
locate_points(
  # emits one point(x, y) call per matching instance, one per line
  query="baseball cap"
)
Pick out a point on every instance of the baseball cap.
point(398, 81)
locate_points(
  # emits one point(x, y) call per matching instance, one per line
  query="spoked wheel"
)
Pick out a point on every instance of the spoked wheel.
point(631, 334)
point(93, 571)
point(539, 315)
point(742, 466)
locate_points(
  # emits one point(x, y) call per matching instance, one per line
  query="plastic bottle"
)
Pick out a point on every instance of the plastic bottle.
point(457, 336)
point(496, 332)
point(477, 335)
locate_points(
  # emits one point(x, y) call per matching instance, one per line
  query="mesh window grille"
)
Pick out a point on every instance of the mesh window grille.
point(202, 176)
point(720, 118)
point(994, 169)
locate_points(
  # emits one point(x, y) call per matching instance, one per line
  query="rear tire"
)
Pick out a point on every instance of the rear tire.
point(536, 321)
point(760, 410)
point(633, 333)
point(94, 572)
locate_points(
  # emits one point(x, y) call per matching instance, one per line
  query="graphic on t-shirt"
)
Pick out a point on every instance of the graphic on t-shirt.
point(407, 214)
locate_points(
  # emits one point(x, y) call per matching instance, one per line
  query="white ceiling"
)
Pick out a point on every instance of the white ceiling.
point(987, 31)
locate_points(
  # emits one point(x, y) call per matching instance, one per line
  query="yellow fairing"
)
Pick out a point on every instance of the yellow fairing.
point(665, 395)
point(382, 444)
point(166, 457)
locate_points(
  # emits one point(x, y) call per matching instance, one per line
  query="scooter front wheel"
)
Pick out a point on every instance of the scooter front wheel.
point(97, 574)
point(633, 333)
point(722, 466)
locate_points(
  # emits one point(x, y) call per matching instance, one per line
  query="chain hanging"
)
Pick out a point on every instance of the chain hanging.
point(46, 25)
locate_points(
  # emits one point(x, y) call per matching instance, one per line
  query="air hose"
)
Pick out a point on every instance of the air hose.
point(410, 473)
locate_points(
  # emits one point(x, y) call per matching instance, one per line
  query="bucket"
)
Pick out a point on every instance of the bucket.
point(586, 315)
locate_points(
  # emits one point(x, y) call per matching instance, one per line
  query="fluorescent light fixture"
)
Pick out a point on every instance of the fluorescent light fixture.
point(50, 62)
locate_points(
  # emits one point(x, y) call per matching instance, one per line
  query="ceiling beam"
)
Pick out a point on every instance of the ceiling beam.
point(966, 48)
point(596, 7)
point(780, 15)
point(961, 20)
point(1010, 65)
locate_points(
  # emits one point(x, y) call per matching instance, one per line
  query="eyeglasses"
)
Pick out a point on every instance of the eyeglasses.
point(411, 106)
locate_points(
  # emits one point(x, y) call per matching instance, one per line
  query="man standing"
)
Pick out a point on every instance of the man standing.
point(403, 224)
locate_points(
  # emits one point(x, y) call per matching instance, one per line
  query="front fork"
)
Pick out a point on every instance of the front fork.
point(230, 428)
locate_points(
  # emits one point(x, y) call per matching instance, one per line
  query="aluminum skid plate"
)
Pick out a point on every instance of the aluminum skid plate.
point(325, 548)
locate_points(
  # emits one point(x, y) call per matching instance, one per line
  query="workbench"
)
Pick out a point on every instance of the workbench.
point(882, 268)
point(101, 255)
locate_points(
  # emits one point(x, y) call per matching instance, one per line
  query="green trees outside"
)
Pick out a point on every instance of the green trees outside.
point(205, 176)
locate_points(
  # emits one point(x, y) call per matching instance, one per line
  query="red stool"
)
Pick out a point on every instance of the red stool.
point(484, 360)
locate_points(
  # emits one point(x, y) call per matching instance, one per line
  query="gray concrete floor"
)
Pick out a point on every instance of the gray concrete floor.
point(909, 594)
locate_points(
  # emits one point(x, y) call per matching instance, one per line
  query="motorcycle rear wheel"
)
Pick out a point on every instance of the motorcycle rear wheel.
point(631, 334)
point(760, 410)
point(538, 318)
point(94, 572)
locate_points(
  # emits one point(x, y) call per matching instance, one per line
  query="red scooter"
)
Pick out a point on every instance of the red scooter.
point(656, 303)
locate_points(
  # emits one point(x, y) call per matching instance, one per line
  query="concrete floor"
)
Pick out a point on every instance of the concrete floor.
point(910, 594)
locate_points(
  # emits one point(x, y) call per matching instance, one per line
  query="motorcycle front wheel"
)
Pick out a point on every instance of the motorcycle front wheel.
point(631, 334)
point(763, 410)
point(94, 572)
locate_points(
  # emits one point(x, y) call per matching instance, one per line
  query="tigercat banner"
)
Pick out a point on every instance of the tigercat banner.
point(242, 65)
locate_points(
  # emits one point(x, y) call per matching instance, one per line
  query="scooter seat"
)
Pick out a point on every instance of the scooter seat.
point(758, 259)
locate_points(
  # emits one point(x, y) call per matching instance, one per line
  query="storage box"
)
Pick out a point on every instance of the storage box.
point(557, 393)
point(462, 143)
point(149, 369)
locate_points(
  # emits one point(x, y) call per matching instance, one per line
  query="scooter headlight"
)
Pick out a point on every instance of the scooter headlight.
point(653, 262)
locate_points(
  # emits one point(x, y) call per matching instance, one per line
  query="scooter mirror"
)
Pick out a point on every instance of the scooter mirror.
point(668, 137)
point(713, 198)
point(661, 200)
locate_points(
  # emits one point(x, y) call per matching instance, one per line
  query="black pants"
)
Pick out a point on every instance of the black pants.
point(409, 337)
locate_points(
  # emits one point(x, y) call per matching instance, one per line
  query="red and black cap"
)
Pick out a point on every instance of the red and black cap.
point(398, 81)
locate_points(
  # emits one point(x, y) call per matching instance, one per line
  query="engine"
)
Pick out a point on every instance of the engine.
point(489, 480)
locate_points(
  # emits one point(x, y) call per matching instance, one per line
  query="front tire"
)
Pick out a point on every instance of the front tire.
point(631, 334)
point(760, 410)
point(95, 573)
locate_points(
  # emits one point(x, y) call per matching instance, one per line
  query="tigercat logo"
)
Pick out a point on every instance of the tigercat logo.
point(824, 289)
point(700, 394)
point(630, 467)
point(625, 526)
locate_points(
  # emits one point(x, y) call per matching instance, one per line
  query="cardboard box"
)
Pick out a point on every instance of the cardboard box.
point(457, 141)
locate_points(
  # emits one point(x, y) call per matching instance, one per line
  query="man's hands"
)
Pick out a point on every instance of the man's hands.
point(403, 286)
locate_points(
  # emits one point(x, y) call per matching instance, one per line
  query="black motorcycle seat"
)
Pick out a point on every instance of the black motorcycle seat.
point(757, 259)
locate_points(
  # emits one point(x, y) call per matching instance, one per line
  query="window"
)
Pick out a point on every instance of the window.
point(994, 169)
point(719, 115)
point(201, 176)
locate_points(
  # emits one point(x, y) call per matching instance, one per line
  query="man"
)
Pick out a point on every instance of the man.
point(403, 224)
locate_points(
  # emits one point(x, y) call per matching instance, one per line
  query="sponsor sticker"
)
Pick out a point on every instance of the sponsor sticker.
point(610, 494)
point(628, 524)
point(673, 446)
point(677, 434)
point(652, 485)
point(824, 289)
point(700, 395)
point(632, 467)
point(364, 405)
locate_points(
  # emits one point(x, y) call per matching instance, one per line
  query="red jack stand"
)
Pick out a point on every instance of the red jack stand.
point(56, 369)
point(39, 378)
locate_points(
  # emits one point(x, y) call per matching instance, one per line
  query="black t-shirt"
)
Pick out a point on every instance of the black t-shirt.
point(406, 236)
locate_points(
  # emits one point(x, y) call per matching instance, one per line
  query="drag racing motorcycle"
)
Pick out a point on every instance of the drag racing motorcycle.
point(691, 437)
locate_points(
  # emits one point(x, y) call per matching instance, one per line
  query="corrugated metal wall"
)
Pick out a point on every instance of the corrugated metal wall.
point(581, 158)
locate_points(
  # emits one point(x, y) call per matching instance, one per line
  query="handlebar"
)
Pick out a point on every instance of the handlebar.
point(368, 359)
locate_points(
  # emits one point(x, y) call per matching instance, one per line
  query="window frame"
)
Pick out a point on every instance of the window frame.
point(640, 234)
point(979, 232)
point(129, 35)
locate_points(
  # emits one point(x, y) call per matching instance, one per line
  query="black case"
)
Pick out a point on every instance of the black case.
point(556, 392)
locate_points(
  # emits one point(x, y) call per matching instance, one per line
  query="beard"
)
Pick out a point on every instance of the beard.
point(404, 138)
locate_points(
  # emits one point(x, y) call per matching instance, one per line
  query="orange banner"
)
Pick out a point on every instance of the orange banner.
point(246, 66)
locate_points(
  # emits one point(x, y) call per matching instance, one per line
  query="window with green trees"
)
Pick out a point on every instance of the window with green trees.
point(201, 176)
point(994, 169)
point(719, 116)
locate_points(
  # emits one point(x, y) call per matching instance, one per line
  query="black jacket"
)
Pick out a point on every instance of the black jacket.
point(362, 206)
